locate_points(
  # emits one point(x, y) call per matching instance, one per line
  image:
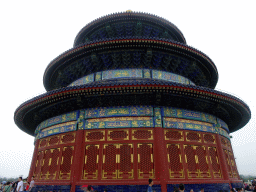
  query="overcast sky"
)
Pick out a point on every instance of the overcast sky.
point(35, 32)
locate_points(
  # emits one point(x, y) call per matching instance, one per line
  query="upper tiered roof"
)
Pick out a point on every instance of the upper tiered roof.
point(130, 40)
point(129, 24)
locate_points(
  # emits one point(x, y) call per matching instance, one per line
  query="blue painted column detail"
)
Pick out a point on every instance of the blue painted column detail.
point(157, 118)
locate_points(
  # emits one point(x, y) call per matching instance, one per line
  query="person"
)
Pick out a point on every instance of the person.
point(201, 190)
point(89, 188)
point(14, 186)
point(11, 186)
point(245, 185)
point(254, 182)
point(175, 189)
point(20, 186)
point(150, 184)
point(182, 187)
point(25, 182)
point(7, 187)
point(191, 190)
point(27, 186)
point(32, 183)
point(2, 187)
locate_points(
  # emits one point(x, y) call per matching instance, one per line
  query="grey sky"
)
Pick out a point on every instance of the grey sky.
point(35, 32)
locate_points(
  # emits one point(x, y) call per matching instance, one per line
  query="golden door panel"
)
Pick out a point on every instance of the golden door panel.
point(176, 170)
point(145, 161)
point(66, 162)
point(91, 162)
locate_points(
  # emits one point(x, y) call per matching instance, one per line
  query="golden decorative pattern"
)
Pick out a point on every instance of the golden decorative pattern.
point(95, 135)
point(197, 162)
point(145, 161)
point(91, 162)
point(42, 143)
point(66, 162)
point(175, 164)
point(142, 134)
point(118, 119)
point(193, 136)
point(54, 140)
point(111, 158)
point(173, 135)
point(214, 160)
point(120, 134)
point(209, 138)
point(68, 138)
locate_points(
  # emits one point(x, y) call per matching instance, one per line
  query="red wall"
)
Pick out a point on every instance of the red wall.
point(131, 156)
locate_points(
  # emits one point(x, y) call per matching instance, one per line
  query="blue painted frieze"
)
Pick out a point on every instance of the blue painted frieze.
point(132, 73)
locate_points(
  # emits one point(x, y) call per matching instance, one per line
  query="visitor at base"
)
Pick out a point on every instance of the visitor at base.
point(2, 187)
point(150, 181)
point(182, 187)
point(254, 182)
point(20, 185)
point(14, 186)
point(7, 187)
point(27, 186)
point(89, 188)
point(25, 183)
point(32, 183)
point(175, 189)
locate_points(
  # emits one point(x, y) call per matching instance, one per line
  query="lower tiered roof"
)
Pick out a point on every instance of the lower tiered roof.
point(124, 92)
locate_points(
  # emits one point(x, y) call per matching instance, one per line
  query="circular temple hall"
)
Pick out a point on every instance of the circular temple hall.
point(129, 102)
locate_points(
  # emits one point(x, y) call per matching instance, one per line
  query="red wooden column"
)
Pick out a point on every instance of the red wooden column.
point(222, 158)
point(238, 176)
point(33, 163)
point(76, 169)
point(160, 157)
point(185, 165)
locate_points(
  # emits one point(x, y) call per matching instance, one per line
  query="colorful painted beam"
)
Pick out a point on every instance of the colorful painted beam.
point(132, 117)
point(132, 73)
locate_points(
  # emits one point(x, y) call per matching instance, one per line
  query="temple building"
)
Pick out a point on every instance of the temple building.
point(132, 101)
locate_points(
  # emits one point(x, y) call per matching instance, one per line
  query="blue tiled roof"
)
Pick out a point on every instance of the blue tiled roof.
point(119, 19)
point(230, 103)
point(108, 45)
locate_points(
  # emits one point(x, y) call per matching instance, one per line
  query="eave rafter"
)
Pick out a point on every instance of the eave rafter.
point(166, 91)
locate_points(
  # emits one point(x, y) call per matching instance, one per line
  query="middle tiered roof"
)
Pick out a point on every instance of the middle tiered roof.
point(165, 55)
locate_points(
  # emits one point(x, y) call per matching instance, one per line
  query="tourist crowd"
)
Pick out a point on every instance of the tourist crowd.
point(17, 186)
point(20, 185)
point(251, 186)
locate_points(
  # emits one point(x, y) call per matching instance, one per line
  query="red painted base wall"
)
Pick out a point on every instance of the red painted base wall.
point(131, 156)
